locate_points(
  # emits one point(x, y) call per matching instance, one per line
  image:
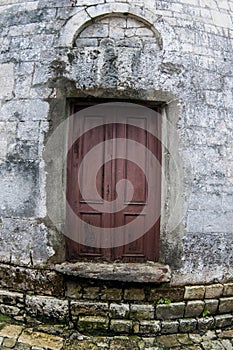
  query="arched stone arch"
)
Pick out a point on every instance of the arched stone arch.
point(87, 16)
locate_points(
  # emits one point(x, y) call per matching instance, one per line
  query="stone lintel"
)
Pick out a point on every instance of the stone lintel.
point(124, 272)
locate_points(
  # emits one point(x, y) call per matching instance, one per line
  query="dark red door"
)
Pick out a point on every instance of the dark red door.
point(110, 182)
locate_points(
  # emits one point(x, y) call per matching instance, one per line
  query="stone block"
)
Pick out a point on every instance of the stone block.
point(141, 312)
point(92, 293)
point(169, 327)
point(37, 281)
point(10, 310)
point(25, 248)
point(149, 327)
point(204, 324)
point(41, 340)
point(111, 294)
point(73, 290)
point(194, 292)
point(170, 311)
point(28, 130)
point(222, 21)
point(134, 294)
point(184, 339)
point(86, 42)
point(121, 326)
point(188, 325)
point(213, 291)
point(9, 343)
point(47, 307)
point(20, 196)
point(194, 308)
point(211, 305)
point(119, 310)
point(11, 298)
point(30, 110)
point(11, 331)
point(228, 289)
point(169, 340)
point(3, 149)
point(226, 305)
point(91, 324)
point(96, 30)
point(174, 294)
point(141, 32)
point(123, 343)
point(222, 321)
point(86, 308)
point(6, 80)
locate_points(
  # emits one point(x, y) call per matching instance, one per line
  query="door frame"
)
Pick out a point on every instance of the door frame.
point(85, 103)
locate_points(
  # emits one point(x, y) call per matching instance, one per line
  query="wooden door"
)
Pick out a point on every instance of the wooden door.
point(100, 128)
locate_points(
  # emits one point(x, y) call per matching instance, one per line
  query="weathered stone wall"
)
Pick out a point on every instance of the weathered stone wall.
point(179, 53)
point(113, 307)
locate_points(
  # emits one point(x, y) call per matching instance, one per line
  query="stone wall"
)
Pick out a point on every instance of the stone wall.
point(113, 307)
point(177, 53)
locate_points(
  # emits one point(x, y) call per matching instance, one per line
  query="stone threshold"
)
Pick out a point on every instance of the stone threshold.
point(149, 272)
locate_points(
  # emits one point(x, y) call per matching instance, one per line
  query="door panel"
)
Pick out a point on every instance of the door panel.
point(129, 124)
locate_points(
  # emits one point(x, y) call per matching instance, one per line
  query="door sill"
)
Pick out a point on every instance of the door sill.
point(148, 272)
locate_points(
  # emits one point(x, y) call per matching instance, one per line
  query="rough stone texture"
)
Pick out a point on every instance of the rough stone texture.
point(47, 307)
point(92, 324)
point(194, 292)
point(142, 312)
point(226, 305)
point(222, 321)
point(171, 311)
point(205, 324)
point(170, 327)
point(111, 294)
point(150, 272)
point(121, 326)
point(149, 327)
point(23, 337)
point(179, 53)
point(194, 308)
point(134, 294)
point(211, 306)
point(213, 291)
point(88, 309)
point(173, 294)
point(34, 280)
point(11, 331)
point(73, 290)
point(228, 289)
point(6, 80)
point(41, 340)
point(119, 310)
point(188, 325)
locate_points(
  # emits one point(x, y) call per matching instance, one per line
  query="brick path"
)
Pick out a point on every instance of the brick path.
point(56, 337)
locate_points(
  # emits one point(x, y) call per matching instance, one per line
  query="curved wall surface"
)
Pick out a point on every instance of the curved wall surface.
point(176, 54)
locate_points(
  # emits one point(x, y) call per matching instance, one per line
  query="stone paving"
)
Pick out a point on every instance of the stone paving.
point(57, 337)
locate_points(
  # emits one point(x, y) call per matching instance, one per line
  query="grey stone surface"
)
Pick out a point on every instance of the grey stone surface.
point(24, 241)
point(188, 325)
point(119, 310)
point(169, 327)
point(47, 307)
point(134, 272)
point(150, 327)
